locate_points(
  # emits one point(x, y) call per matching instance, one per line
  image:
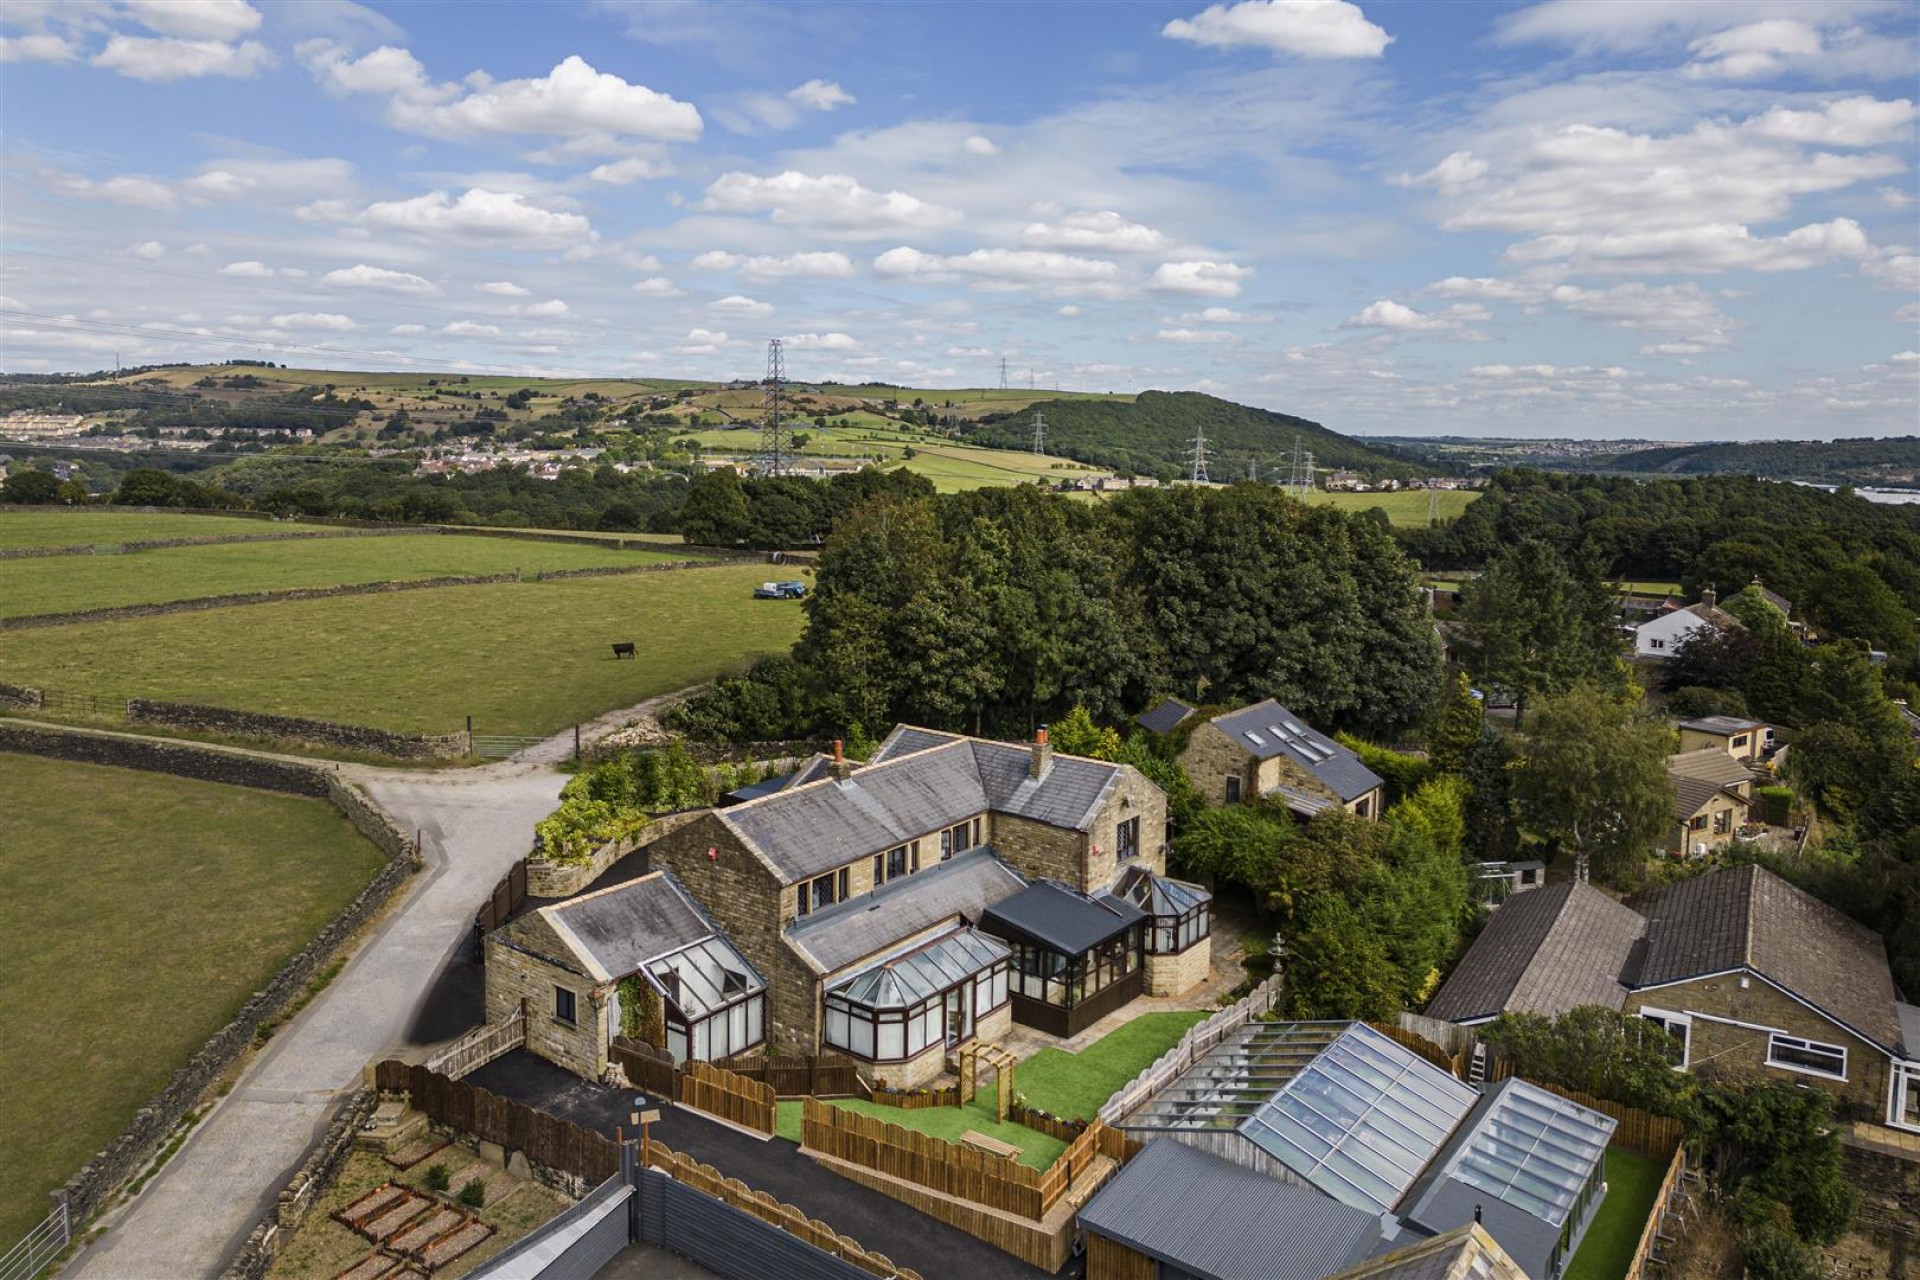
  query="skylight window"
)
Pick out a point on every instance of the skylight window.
point(1256, 739)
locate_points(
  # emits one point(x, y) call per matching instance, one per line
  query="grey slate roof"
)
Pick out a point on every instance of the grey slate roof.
point(1709, 764)
point(1267, 729)
point(1217, 1220)
point(1721, 724)
point(1545, 951)
point(1164, 718)
point(1908, 1016)
point(964, 886)
point(920, 782)
point(1065, 919)
point(621, 928)
point(1747, 917)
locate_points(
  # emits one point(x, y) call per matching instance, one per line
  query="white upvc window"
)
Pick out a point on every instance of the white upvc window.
point(1679, 1026)
point(1811, 1057)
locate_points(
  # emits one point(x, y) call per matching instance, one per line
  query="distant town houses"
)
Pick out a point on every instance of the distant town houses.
point(41, 426)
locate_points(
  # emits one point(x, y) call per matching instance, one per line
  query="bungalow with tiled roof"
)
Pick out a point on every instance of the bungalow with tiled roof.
point(1746, 972)
point(1712, 795)
point(1266, 750)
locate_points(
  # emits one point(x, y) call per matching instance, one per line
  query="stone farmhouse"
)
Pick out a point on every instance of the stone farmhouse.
point(1266, 750)
point(897, 910)
point(1713, 793)
point(1743, 970)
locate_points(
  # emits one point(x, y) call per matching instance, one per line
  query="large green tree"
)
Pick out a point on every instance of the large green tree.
point(1593, 780)
point(1535, 626)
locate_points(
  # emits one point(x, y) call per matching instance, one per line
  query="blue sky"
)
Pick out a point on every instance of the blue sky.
point(1662, 220)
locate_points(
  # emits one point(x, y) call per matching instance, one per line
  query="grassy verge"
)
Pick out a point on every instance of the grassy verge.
point(1077, 1085)
point(1632, 1182)
point(525, 658)
point(148, 909)
point(178, 573)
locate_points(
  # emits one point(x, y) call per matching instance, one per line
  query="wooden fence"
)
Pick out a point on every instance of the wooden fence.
point(542, 1138)
point(648, 1069)
point(504, 901)
point(480, 1046)
point(1643, 1252)
point(820, 1075)
point(1200, 1038)
point(950, 1168)
point(728, 1095)
point(710, 1181)
point(914, 1099)
point(1416, 1043)
point(1040, 1122)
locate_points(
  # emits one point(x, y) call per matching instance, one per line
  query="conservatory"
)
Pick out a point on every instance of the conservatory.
point(715, 1001)
point(907, 1009)
point(1076, 956)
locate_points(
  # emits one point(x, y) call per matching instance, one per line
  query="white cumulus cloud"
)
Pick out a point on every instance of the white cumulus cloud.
point(1000, 268)
point(1859, 121)
point(195, 19)
point(330, 321)
point(741, 305)
point(1103, 229)
point(657, 287)
point(827, 202)
point(816, 265)
point(1304, 28)
point(470, 329)
point(162, 58)
point(363, 276)
point(820, 341)
point(821, 95)
point(42, 47)
point(978, 145)
point(1200, 279)
point(503, 289)
point(1753, 50)
point(148, 249)
point(476, 217)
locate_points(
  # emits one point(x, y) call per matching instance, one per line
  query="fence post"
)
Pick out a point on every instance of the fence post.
point(469, 735)
point(576, 744)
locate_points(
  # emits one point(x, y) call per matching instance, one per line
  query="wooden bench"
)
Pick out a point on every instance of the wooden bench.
point(992, 1146)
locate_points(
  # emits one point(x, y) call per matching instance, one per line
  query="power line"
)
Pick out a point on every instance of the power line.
point(1200, 455)
point(776, 437)
point(1039, 433)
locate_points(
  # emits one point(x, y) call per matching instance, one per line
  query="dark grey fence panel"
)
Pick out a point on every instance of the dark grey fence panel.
point(573, 1246)
point(727, 1241)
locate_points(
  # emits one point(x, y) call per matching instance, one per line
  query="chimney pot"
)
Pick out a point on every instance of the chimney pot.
point(1042, 759)
point(839, 749)
point(841, 768)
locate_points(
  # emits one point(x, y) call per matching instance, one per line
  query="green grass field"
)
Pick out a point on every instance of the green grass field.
point(137, 929)
point(1407, 508)
point(948, 1123)
point(63, 584)
point(1074, 1086)
point(1632, 1182)
point(103, 526)
point(518, 657)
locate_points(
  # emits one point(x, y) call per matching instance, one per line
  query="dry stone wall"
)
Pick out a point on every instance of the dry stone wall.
point(296, 1199)
point(87, 1191)
point(280, 595)
point(20, 695)
point(257, 724)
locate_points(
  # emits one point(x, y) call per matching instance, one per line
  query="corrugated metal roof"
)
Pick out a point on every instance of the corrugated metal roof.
point(963, 887)
point(621, 928)
point(1545, 951)
point(1216, 1219)
point(811, 828)
point(1267, 729)
point(1065, 919)
point(1164, 718)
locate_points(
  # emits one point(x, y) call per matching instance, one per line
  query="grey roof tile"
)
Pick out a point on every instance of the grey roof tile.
point(1267, 729)
point(1691, 794)
point(1164, 718)
point(1545, 951)
point(1747, 917)
point(964, 886)
point(1216, 1219)
point(1709, 764)
point(623, 927)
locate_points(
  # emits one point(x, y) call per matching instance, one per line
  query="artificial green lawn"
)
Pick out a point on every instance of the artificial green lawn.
point(1632, 1182)
point(65, 584)
point(1036, 1149)
point(1074, 1086)
point(526, 658)
point(38, 527)
point(143, 911)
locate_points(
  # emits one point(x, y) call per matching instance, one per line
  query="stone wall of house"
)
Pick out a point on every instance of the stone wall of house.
point(515, 973)
point(278, 595)
point(1175, 974)
point(154, 1123)
point(1684, 837)
point(1038, 851)
point(1285, 771)
point(1133, 796)
point(1740, 1053)
point(255, 724)
point(1889, 1188)
point(994, 1026)
point(1211, 757)
point(914, 1072)
point(748, 902)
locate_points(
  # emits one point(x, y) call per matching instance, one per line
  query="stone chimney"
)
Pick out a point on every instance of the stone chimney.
point(842, 768)
point(1710, 597)
point(1042, 754)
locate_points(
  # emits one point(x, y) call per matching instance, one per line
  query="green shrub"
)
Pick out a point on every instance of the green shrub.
point(1775, 804)
point(474, 1194)
point(438, 1179)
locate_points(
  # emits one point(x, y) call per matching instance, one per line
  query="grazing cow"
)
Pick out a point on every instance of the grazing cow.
point(624, 649)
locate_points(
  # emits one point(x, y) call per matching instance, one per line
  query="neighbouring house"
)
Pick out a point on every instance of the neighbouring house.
point(1464, 1253)
point(901, 908)
point(1712, 795)
point(639, 958)
point(1169, 715)
point(1658, 637)
point(1495, 882)
point(1368, 1148)
point(1265, 750)
point(1746, 972)
point(1774, 598)
point(1740, 738)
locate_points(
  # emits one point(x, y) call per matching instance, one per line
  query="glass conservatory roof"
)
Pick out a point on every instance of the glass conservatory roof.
point(915, 976)
point(705, 976)
point(1533, 1150)
point(1362, 1119)
point(1159, 896)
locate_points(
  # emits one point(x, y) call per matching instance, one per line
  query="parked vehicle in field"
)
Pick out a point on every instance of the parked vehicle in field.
point(780, 591)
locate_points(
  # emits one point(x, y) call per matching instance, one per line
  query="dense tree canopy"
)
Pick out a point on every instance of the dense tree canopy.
point(1535, 626)
point(1593, 779)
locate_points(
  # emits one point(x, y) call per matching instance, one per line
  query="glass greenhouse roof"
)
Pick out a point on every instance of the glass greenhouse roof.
point(1362, 1119)
point(705, 976)
point(913, 977)
point(1533, 1150)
